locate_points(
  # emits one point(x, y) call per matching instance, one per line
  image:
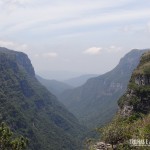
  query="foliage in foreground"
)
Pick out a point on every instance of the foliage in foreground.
point(9, 142)
point(121, 130)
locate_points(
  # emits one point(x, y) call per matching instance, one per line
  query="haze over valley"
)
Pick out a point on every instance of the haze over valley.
point(74, 75)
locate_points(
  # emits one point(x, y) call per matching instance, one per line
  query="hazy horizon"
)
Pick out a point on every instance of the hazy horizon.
point(62, 75)
point(84, 37)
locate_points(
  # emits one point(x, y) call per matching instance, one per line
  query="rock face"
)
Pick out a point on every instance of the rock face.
point(142, 80)
point(137, 97)
point(31, 110)
point(95, 103)
point(126, 111)
point(133, 118)
point(21, 59)
point(102, 146)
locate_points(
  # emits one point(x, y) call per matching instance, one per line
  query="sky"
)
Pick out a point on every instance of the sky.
point(84, 36)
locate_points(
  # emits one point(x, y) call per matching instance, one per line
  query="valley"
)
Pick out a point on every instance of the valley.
point(29, 105)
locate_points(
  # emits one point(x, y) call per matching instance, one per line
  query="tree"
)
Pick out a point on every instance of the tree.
point(9, 142)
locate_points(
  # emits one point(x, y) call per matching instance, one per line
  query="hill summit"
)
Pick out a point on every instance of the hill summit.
point(31, 110)
point(131, 125)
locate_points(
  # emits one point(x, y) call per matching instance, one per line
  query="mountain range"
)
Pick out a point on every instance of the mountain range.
point(95, 102)
point(31, 110)
point(54, 86)
point(59, 75)
point(80, 80)
point(130, 127)
point(29, 106)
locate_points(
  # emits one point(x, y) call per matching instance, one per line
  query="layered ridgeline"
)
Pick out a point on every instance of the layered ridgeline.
point(54, 86)
point(80, 80)
point(31, 110)
point(132, 121)
point(59, 87)
point(95, 102)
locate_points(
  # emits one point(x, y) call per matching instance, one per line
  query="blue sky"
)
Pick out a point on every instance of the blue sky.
point(88, 36)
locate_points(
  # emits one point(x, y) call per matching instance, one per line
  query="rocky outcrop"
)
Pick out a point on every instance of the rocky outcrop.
point(137, 97)
point(102, 146)
point(133, 119)
point(17, 59)
point(126, 111)
point(142, 80)
point(24, 61)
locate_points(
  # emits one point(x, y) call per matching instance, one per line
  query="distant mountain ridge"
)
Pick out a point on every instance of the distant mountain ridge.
point(31, 110)
point(54, 86)
point(95, 102)
point(80, 80)
point(59, 75)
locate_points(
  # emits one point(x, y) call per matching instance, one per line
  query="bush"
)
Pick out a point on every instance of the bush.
point(9, 142)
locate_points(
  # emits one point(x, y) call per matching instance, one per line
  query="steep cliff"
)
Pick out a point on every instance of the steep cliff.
point(130, 128)
point(137, 97)
point(30, 109)
point(95, 103)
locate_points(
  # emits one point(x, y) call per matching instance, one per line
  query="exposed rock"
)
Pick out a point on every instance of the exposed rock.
point(102, 146)
point(126, 111)
point(137, 97)
point(116, 85)
point(142, 80)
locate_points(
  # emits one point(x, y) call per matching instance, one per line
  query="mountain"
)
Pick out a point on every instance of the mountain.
point(137, 97)
point(95, 102)
point(31, 110)
point(78, 81)
point(56, 87)
point(130, 128)
point(60, 75)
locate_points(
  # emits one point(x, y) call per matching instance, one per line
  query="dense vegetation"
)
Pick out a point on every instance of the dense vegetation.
point(55, 87)
point(10, 142)
point(133, 118)
point(121, 130)
point(31, 110)
point(95, 102)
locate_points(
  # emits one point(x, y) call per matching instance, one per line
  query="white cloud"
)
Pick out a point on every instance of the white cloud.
point(113, 49)
point(97, 50)
point(127, 28)
point(50, 55)
point(51, 23)
point(93, 50)
point(94, 23)
point(67, 14)
point(46, 55)
point(36, 55)
point(133, 28)
point(21, 1)
point(10, 6)
point(14, 2)
point(13, 45)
